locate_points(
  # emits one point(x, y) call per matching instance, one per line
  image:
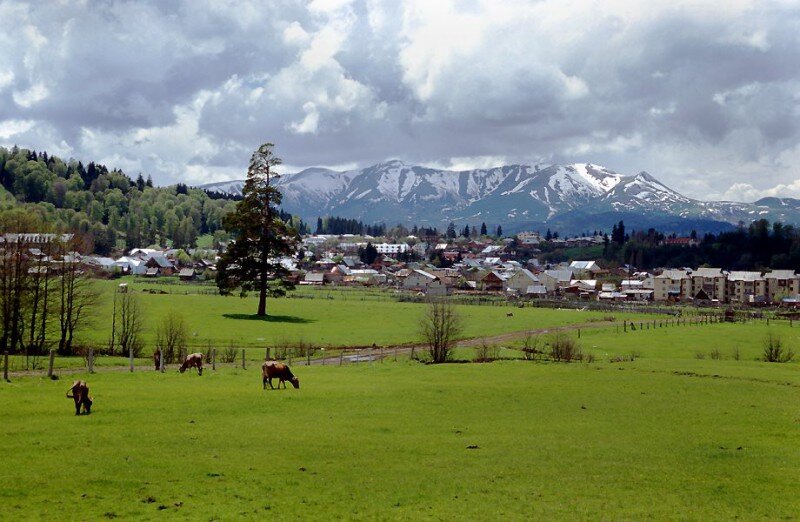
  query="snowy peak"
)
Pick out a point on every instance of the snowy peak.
point(398, 192)
point(598, 177)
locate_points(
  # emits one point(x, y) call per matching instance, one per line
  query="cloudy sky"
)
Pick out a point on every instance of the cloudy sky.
point(703, 95)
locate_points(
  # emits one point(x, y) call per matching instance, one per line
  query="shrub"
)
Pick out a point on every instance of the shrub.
point(530, 347)
point(229, 354)
point(485, 352)
point(774, 350)
point(699, 355)
point(736, 354)
point(715, 354)
point(564, 348)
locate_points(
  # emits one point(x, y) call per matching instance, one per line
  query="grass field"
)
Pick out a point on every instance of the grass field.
point(324, 322)
point(691, 426)
point(654, 438)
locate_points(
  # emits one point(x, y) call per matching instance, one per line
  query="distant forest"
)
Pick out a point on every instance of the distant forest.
point(759, 245)
point(112, 208)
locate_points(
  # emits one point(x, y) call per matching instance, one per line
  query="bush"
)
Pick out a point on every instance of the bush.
point(736, 354)
point(715, 354)
point(229, 354)
point(530, 347)
point(485, 352)
point(699, 355)
point(774, 350)
point(564, 348)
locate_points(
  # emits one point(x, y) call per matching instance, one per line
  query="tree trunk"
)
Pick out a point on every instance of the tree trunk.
point(262, 300)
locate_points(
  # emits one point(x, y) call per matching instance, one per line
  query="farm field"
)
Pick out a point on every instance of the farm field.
point(653, 438)
point(338, 321)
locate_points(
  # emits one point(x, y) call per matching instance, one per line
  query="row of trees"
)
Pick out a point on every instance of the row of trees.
point(107, 204)
point(46, 294)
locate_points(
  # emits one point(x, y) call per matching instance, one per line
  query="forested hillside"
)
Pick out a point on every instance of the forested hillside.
point(114, 209)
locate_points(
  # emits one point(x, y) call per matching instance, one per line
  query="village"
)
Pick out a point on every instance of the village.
point(438, 266)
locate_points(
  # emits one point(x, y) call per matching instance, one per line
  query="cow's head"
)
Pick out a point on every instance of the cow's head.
point(182, 368)
point(295, 382)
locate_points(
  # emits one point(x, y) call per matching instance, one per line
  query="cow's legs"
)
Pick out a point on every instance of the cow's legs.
point(271, 387)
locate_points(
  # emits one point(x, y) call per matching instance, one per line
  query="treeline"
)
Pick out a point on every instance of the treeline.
point(337, 225)
point(114, 209)
point(758, 246)
point(46, 295)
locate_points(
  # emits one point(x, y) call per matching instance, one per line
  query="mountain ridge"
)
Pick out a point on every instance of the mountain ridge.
point(509, 195)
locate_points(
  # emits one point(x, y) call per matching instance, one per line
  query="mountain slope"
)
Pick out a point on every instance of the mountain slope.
point(567, 195)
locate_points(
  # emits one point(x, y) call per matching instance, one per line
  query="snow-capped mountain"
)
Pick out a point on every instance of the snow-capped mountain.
point(397, 192)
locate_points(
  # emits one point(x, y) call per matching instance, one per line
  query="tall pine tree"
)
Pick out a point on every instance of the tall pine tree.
point(261, 238)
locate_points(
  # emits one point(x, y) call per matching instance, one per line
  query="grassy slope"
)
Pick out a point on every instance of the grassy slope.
point(334, 322)
point(629, 440)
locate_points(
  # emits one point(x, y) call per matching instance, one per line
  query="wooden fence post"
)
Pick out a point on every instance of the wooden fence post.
point(90, 360)
point(308, 356)
point(412, 353)
point(266, 354)
point(52, 360)
point(5, 366)
point(381, 348)
point(161, 362)
point(341, 356)
point(625, 326)
point(579, 333)
point(395, 354)
point(214, 359)
point(243, 364)
point(130, 356)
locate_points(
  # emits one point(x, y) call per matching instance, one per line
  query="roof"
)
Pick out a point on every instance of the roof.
point(781, 274)
point(525, 273)
point(583, 265)
point(315, 277)
point(708, 272)
point(673, 274)
point(745, 276)
point(186, 272)
point(160, 259)
point(424, 273)
point(560, 275)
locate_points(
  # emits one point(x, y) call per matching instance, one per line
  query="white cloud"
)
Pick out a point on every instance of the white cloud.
point(10, 128)
point(30, 97)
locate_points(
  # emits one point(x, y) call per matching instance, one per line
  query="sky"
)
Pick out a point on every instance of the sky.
point(705, 96)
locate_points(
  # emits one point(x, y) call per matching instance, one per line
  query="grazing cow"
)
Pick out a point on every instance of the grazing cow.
point(510, 314)
point(157, 358)
point(80, 394)
point(275, 370)
point(193, 360)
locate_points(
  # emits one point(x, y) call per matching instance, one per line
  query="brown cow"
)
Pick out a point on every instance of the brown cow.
point(193, 360)
point(157, 358)
point(80, 394)
point(275, 370)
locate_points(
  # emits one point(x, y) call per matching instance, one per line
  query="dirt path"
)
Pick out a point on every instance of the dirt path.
point(359, 355)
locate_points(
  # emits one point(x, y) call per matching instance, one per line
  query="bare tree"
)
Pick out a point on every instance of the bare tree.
point(77, 295)
point(171, 336)
point(439, 327)
point(129, 324)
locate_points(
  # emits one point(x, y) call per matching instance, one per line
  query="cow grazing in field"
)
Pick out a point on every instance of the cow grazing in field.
point(275, 370)
point(80, 394)
point(193, 360)
point(157, 359)
point(510, 314)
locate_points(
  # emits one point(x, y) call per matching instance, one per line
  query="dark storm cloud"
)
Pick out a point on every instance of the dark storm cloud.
point(703, 95)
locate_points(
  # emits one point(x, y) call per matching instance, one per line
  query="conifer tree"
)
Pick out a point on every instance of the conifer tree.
point(261, 238)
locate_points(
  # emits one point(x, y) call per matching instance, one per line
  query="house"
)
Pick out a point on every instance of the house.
point(520, 281)
point(712, 281)
point(556, 280)
point(313, 278)
point(746, 287)
point(437, 288)
point(418, 280)
point(493, 281)
point(153, 272)
point(671, 285)
point(536, 291)
point(159, 260)
point(187, 274)
point(781, 283)
point(131, 265)
point(584, 269)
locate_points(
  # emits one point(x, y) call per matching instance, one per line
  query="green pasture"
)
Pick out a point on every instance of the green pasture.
point(348, 318)
point(654, 438)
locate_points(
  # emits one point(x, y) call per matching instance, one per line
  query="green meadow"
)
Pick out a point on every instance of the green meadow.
point(671, 422)
point(653, 438)
point(321, 317)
